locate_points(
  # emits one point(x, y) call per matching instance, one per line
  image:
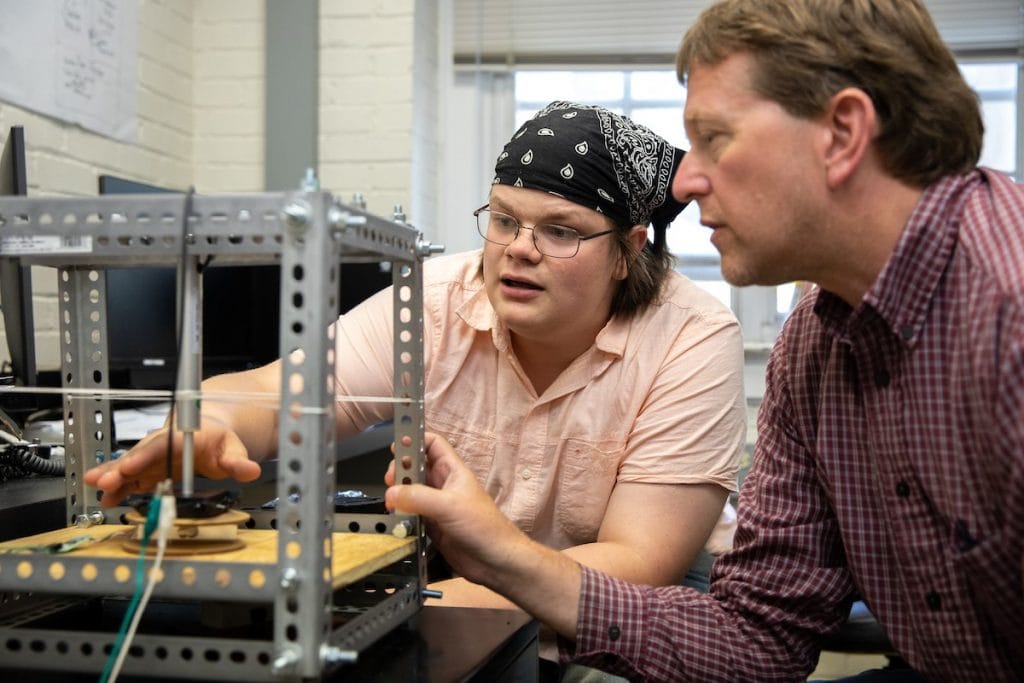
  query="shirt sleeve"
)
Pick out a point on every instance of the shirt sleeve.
point(782, 587)
point(691, 428)
point(364, 363)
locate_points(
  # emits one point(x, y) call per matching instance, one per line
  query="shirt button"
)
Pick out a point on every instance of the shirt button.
point(962, 537)
point(881, 379)
point(614, 632)
point(934, 601)
point(525, 474)
point(902, 488)
point(907, 331)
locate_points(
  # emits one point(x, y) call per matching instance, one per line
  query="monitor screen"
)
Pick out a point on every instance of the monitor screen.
point(15, 280)
point(240, 322)
point(241, 312)
point(240, 315)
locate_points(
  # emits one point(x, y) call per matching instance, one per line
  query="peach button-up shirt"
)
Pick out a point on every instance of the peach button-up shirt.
point(657, 399)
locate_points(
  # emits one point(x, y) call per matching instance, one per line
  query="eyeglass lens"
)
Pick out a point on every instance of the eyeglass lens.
point(550, 240)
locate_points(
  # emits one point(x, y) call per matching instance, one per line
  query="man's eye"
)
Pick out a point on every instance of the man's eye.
point(506, 223)
point(710, 138)
point(557, 232)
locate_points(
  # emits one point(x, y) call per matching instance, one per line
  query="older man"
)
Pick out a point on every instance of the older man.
point(833, 141)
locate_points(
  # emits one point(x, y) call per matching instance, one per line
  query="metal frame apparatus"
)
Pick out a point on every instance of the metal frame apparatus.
point(310, 234)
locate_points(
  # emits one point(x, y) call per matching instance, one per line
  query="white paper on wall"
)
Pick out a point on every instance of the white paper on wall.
point(73, 60)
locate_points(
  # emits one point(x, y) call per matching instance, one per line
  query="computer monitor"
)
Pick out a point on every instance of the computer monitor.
point(16, 280)
point(241, 312)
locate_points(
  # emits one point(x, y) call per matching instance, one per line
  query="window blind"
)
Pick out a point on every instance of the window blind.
point(521, 32)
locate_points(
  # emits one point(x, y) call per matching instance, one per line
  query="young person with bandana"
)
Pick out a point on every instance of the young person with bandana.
point(595, 393)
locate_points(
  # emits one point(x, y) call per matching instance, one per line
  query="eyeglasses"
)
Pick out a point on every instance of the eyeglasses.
point(556, 241)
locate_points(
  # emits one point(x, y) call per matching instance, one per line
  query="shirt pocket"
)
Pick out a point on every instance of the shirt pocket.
point(476, 450)
point(991, 572)
point(586, 475)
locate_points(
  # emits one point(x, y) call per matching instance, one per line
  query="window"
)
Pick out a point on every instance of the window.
point(996, 85)
point(655, 99)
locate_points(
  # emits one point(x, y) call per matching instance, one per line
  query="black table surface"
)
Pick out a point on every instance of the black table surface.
point(439, 645)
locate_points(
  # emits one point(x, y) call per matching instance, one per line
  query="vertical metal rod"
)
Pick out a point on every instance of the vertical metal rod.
point(190, 364)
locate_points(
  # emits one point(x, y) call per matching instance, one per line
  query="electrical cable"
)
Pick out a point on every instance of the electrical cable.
point(10, 425)
point(164, 493)
point(152, 519)
point(24, 457)
point(12, 439)
point(167, 517)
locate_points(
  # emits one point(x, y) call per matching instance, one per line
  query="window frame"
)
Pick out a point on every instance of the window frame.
point(761, 310)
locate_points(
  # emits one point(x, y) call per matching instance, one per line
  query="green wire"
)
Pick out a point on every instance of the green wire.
point(152, 517)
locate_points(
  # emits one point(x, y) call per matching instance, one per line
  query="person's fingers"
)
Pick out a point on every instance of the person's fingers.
point(435, 446)
point(415, 499)
point(93, 475)
point(242, 469)
point(138, 460)
point(391, 496)
point(110, 480)
point(115, 489)
point(231, 459)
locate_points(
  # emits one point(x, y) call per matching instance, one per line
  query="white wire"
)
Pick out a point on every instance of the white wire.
point(165, 522)
point(10, 438)
point(266, 398)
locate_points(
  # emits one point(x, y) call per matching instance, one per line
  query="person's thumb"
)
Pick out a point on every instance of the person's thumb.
point(415, 499)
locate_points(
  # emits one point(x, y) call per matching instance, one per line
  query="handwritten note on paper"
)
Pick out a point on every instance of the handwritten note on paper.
point(72, 59)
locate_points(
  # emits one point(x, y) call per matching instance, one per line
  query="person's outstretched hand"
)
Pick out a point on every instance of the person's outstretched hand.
point(468, 528)
point(483, 545)
point(219, 454)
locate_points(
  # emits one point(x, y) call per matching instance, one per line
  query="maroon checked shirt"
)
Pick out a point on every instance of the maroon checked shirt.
point(889, 465)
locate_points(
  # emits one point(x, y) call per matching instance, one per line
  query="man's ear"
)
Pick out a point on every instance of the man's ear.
point(851, 120)
point(637, 237)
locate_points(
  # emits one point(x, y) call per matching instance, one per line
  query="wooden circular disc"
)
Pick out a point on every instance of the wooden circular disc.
point(185, 546)
point(229, 517)
point(133, 546)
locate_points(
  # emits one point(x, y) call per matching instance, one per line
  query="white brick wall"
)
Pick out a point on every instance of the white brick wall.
point(65, 160)
point(366, 100)
point(229, 60)
point(201, 114)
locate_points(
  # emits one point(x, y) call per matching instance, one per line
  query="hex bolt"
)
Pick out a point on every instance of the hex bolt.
point(330, 654)
point(426, 247)
point(336, 218)
point(310, 183)
point(290, 580)
point(286, 662)
point(90, 519)
point(296, 214)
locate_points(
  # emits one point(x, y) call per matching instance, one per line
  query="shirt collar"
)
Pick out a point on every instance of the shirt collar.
point(477, 312)
point(902, 293)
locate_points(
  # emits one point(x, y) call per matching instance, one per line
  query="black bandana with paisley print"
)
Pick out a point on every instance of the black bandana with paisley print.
point(598, 159)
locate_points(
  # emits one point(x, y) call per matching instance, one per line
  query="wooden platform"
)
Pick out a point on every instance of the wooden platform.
point(353, 557)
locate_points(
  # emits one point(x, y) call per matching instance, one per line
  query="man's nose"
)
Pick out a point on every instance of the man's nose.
point(688, 183)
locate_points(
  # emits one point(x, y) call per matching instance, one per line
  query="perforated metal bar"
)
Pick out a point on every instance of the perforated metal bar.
point(83, 350)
